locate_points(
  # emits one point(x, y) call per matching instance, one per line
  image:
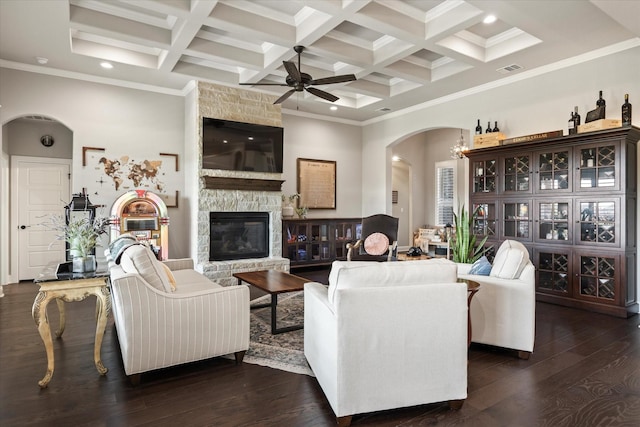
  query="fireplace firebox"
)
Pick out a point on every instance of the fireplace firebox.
point(238, 235)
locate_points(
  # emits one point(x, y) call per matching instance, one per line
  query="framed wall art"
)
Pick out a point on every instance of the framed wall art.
point(316, 182)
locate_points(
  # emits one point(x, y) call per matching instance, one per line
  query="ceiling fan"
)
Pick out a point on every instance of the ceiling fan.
point(300, 81)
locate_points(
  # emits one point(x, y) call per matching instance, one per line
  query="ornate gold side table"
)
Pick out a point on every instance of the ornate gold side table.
point(67, 287)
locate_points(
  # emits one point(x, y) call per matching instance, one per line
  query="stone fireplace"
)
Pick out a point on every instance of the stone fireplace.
point(218, 193)
point(238, 235)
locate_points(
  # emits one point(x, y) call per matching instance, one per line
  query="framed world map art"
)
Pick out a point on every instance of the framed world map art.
point(111, 175)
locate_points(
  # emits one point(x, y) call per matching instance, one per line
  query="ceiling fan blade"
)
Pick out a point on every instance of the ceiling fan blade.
point(292, 70)
point(335, 79)
point(263, 84)
point(286, 95)
point(322, 94)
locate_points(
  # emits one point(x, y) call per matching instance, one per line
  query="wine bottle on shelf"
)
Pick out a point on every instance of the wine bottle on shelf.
point(601, 102)
point(576, 118)
point(572, 124)
point(478, 128)
point(488, 128)
point(495, 128)
point(626, 111)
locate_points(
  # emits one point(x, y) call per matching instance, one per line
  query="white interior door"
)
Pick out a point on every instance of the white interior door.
point(42, 188)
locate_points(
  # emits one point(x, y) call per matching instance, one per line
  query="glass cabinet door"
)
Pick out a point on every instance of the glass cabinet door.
point(516, 220)
point(597, 221)
point(485, 221)
point(553, 269)
point(517, 171)
point(598, 277)
point(553, 171)
point(484, 176)
point(598, 167)
point(553, 221)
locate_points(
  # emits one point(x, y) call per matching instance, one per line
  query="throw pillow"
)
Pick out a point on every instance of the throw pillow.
point(481, 267)
point(172, 280)
point(508, 264)
point(122, 242)
point(376, 244)
point(139, 259)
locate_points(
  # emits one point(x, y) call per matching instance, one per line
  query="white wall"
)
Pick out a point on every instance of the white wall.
point(123, 121)
point(323, 140)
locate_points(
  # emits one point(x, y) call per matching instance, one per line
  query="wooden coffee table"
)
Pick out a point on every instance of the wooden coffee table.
point(273, 282)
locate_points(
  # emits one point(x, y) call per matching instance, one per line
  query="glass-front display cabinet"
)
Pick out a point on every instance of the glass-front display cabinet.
point(516, 220)
point(553, 221)
point(597, 168)
point(553, 171)
point(577, 213)
point(516, 176)
point(484, 175)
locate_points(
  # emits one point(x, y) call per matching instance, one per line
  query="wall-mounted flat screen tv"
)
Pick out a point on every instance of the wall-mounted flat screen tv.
point(230, 145)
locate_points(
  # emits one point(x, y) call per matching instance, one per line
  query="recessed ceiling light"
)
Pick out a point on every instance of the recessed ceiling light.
point(106, 65)
point(489, 19)
point(395, 158)
point(333, 108)
point(42, 60)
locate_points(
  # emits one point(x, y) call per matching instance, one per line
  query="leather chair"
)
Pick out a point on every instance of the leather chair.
point(373, 227)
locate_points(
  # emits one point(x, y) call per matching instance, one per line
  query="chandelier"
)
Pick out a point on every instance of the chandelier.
point(458, 150)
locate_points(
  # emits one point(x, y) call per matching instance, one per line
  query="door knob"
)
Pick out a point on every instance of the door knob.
point(22, 227)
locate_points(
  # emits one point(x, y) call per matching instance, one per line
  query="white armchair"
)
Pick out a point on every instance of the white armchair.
point(165, 318)
point(503, 312)
point(387, 335)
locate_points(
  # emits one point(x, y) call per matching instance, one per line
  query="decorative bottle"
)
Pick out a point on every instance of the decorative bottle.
point(572, 124)
point(478, 128)
point(495, 128)
point(601, 103)
point(576, 118)
point(488, 128)
point(626, 111)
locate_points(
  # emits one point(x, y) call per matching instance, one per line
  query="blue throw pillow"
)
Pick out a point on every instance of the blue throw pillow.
point(481, 267)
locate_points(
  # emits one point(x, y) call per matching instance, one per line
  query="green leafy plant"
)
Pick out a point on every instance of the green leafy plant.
point(465, 249)
point(80, 233)
point(290, 199)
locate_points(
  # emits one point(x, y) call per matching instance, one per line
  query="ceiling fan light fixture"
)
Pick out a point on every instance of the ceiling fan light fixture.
point(299, 81)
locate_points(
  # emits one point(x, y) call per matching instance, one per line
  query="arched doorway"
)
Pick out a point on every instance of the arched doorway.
point(37, 150)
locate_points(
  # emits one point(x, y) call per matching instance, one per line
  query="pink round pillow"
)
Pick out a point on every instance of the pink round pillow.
point(376, 244)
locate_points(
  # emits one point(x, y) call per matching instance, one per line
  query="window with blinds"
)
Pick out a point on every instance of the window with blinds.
point(445, 192)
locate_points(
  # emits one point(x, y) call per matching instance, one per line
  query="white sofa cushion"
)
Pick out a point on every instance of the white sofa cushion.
point(510, 260)
point(361, 274)
point(139, 259)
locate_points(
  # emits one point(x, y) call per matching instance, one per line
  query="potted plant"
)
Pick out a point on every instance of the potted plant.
point(82, 236)
point(287, 204)
point(465, 249)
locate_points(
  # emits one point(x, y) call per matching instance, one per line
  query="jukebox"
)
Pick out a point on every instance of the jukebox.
point(143, 214)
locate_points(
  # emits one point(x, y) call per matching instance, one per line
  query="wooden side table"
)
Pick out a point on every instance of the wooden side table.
point(472, 288)
point(68, 287)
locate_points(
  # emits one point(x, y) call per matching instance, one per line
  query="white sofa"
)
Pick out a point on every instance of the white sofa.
point(169, 318)
point(503, 312)
point(387, 335)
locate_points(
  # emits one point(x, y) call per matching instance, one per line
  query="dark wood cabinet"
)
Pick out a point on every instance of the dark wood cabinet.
point(572, 201)
point(309, 242)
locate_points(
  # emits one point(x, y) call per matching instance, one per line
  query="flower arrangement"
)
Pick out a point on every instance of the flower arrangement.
point(80, 233)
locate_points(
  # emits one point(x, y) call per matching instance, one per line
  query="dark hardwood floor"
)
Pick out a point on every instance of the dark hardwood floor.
point(585, 371)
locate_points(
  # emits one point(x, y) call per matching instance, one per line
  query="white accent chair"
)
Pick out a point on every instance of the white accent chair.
point(503, 312)
point(387, 335)
point(160, 327)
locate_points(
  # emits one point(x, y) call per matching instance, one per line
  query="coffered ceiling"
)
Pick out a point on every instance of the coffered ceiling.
point(403, 53)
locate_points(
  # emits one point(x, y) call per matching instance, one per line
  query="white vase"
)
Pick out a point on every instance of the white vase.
point(287, 211)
